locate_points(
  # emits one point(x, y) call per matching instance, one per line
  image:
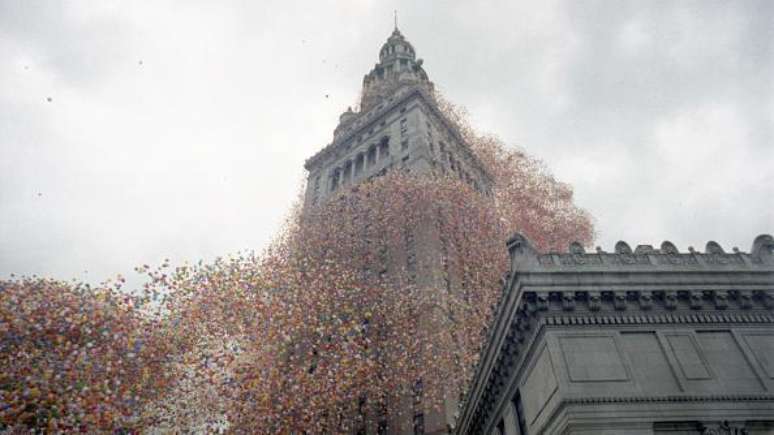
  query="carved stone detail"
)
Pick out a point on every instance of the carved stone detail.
point(623, 248)
point(576, 248)
point(714, 248)
point(669, 248)
point(646, 300)
point(696, 300)
point(721, 299)
point(644, 250)
point(594, 299)
point(670, 300)
point(568, 301)
point(619, 301)
point(724, 428)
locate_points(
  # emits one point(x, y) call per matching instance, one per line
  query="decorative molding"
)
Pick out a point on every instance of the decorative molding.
point(670, 398)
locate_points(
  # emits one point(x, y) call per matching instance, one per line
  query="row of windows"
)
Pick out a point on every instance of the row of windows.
point(344, 174)
point(446, 157)
point(403, 65)
point(454, 164)
point(390, 49)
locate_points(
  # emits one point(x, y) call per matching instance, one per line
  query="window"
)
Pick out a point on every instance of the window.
point(372, 155)
point(419, 417)
point(419, 423)
point(335, 179)
point(359, 164)
point(403, 126)
point(347, 174)
point(384, 148)
point(404, 144)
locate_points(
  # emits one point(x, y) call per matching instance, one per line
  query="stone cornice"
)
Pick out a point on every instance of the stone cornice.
point(524, 258)
point(671, 398)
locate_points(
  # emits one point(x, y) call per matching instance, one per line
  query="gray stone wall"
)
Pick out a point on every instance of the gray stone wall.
point(644, 341)
point(406, 131)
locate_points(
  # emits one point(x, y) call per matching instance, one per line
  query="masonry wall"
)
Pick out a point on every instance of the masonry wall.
point(633, 342)
point(417, 141)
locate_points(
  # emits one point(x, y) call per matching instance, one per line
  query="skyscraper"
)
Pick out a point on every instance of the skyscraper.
point(399, 126)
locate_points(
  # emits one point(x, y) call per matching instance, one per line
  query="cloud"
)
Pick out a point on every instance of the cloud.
point(179, 129)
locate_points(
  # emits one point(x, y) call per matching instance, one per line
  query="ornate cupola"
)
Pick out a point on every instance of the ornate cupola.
point(398, 66)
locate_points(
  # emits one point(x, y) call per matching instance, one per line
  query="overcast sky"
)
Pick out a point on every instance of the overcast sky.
point(179, 129)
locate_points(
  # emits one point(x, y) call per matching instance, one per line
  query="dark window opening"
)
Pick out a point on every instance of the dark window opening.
point(372, 155)
point(359, 164)
point(335, 180)
point(346, 175)
point(384, 148)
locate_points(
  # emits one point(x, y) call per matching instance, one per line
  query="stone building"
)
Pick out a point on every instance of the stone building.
point(398, 126)
point(649, 341)
point(646, 342)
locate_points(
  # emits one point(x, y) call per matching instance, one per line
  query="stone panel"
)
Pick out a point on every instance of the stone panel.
point(592, 358)
point(539, 386)
point(688, 357)
point(762, 346)
point(650, 366)
point(726, 358)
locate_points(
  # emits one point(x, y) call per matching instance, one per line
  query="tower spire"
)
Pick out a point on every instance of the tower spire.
point(395, 12)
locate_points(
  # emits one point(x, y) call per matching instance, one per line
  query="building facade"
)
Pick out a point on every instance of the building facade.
point(645, 341)
point(398, 126)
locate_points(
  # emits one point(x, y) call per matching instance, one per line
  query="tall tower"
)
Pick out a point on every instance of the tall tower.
point(399, 127)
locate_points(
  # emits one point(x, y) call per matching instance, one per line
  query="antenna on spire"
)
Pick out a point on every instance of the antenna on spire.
point(396, 18)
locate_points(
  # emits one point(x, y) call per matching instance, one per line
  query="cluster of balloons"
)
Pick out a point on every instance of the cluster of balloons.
point(385, 287)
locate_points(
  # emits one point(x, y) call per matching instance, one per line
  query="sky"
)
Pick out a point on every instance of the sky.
point(131, 132)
